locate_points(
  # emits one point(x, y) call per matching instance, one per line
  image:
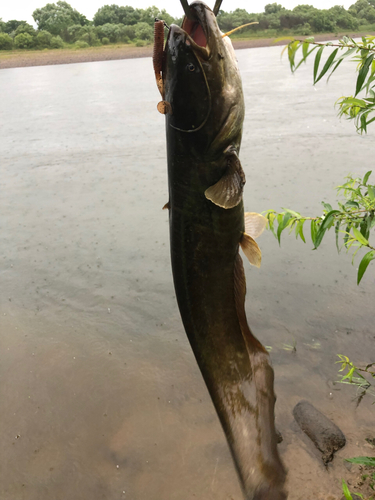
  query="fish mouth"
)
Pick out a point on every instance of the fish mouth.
point(196, 28)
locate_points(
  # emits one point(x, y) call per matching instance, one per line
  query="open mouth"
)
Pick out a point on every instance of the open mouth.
point(195, 31)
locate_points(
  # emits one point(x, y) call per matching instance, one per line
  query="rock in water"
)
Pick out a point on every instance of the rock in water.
point(326, 436)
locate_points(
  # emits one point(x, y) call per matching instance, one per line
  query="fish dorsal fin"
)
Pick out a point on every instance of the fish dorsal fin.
point(251, 250)
point(255, 224)
point(227, 192)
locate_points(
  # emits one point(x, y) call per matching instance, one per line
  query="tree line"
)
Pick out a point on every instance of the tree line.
point(59, 24)
point(303, 19)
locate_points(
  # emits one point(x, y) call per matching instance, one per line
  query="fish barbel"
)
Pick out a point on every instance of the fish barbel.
point(200, 84)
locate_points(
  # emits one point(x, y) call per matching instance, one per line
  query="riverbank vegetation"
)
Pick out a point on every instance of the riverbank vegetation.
point(59, 25)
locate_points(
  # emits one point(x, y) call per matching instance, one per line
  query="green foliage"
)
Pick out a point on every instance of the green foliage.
point(362, 378)
point(140, 43)
point(43, 39)
point(354, 218)
point(114, 14)
point(11, 26)
point(110, 31)
point(25, 28)
point(346, 491)
point(86, 33)
point(230, 20)
point(303, 19)
point(360, 109)
point(23, 41)
point(144, 31)
point(56, 18)
point(368, 461)
point(273, 8)
point(80, 44)
point(128, 31)
point(6, 42)
point(105, 40)
point(57, 42)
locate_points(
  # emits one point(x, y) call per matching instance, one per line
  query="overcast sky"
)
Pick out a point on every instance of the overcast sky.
point(23, 9)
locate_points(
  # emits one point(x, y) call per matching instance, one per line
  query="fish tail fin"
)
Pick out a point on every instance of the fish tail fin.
point(272, 471)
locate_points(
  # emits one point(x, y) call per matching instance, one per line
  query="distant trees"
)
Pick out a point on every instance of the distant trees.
point(57, 17)
point(303, 19)
point(6, 42)
point(59, 23)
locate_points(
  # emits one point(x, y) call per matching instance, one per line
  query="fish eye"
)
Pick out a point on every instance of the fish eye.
point(191, 67)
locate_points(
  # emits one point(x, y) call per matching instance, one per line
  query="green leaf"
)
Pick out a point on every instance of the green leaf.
point(327, 206)
point(337, 227)
point(326, 224)
point(362, 461)
point(364, 263)
point(327, 65)
point(300, 231)
point(363, 73)
point(314, 230)
point(366, 177)
point(305, 49)
point(316, 62)
point(365, 226)
point(359, 237)
point(351, 203)
point(346, 491)
point(371, 193)
point(282, 224)
point(292, 212)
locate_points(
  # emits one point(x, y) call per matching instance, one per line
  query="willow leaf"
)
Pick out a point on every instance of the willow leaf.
point(317, 61)
point(327, 65)
point(363, 73)
point(367, 258)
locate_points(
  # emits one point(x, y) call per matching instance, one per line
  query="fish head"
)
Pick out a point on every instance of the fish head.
point(202, 84)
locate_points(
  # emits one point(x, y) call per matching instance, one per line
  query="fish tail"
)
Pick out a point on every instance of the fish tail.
point(271, 468)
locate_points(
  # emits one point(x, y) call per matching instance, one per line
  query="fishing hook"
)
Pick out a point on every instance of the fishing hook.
point(165, 24)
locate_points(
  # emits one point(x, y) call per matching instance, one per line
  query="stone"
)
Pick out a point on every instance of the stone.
point(326, 436)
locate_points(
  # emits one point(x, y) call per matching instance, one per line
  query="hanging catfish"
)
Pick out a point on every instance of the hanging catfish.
point(200, 85)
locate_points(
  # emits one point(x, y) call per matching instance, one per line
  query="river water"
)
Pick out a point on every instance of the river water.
point(101, 395)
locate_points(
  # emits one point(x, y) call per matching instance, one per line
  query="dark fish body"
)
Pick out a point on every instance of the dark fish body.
point(203, 92)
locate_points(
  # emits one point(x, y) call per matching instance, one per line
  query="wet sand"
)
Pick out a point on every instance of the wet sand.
point(101, 395)
point(18, 59)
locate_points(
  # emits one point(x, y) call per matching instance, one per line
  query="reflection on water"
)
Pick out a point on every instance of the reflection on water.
point(101, 395)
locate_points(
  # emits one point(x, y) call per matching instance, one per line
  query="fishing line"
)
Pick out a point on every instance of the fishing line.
point(209, 105)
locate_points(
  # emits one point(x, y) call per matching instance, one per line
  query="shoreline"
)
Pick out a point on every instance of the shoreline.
point(22, 59)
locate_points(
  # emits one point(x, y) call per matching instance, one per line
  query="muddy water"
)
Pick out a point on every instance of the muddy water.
point(101, 396)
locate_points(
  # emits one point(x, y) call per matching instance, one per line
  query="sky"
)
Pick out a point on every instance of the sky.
point(23, 9)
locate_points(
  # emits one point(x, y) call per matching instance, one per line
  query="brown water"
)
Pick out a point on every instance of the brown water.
point(101, 397)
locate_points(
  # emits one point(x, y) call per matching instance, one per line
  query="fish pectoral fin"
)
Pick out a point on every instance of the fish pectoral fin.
point(251, 250)
point(255, 224)
point(167, 206)
point(227, 192)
